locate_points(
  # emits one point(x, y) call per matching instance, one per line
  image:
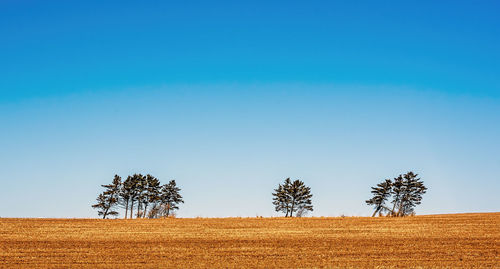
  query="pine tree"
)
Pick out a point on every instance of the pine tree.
point(126, 194)
point(281, 200)
point(380, 195)
point(151, 194)
point(301, 197)
point(397, 192)
point(406, 192)
point(292, 197)
point(170, 198)
point(107, 200)
point(134, 188)
point(140, 191)
point(412, 194)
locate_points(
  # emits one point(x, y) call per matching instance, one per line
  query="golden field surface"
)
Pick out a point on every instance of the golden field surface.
point(461, 240)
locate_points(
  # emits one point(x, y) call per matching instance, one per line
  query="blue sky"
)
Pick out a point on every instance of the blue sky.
point(231, 98)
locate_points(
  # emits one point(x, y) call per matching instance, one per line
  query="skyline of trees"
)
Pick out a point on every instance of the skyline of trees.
point(406, 191)
point(139, 192)
point(150, 199)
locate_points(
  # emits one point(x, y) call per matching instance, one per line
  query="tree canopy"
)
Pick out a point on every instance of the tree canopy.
point(108, 199)
point(292, 197)
point(406, 192)
point(145, 194)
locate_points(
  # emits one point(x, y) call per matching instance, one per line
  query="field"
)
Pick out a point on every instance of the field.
point(461, 240)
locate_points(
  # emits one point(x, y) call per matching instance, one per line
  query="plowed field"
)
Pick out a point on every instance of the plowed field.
point(461, 240)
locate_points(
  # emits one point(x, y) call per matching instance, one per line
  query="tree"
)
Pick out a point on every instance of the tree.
point(380, 195)
point(281, 199)
point(170, 198)
point(107, 200)
point(126, 194)
point(413, 189)
point(406, 192)
point(151, 194)
point(397, 192)
point(291, 197)
point(133, 189)
point(144, 193)
point(140, 189)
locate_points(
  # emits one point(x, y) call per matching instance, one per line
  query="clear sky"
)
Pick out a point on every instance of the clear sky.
point(230, 98)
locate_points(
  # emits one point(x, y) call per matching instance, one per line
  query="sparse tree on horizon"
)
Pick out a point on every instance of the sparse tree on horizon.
point(380, 194)
point(170, 198)
point(413, 189)
point(151, 194)
point(126, 194)
point(291, 197)
point(281, 200)
point(140, 188)
point(406, 192)
point(130, 193)
point(107, 200)
point(397, 192)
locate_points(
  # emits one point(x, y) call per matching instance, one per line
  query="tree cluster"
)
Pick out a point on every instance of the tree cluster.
point(147, 198)
point(406, 192)
point(292, 197)
point(145, 194)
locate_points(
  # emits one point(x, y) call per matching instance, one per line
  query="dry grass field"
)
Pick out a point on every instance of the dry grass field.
point(462, 240)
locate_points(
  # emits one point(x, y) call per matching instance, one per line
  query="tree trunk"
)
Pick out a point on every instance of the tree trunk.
point(394, 207)
point(139, 209)
point(145, 210)
point(400, 210)
point(126, 209)
point(105, 213)
point(132, 209)
point(152, 215)
point(168, 209)
point(291, 209)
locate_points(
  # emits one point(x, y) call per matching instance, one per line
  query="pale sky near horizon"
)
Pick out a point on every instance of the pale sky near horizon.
point(229, 99)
